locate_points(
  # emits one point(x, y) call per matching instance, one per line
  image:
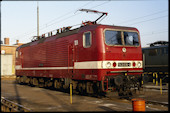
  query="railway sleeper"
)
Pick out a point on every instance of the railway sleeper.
point(9, 106)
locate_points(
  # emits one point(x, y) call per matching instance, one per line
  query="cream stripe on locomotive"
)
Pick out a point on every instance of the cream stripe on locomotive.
point(18, 67)
point(107, 64)
point(92, 65)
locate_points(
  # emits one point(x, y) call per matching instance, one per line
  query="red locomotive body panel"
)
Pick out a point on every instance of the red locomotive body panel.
point(65, 55)
point(52, 55)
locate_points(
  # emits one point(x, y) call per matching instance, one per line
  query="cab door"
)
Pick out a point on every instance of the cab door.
point(72, 57)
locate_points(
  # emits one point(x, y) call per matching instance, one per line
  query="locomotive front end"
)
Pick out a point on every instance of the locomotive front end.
point(122, 60)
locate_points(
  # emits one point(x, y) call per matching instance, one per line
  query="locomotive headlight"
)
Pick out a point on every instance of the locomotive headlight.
point(139, 64)
point(108, 64)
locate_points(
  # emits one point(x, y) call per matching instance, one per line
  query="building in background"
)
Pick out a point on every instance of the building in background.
point(8, 57)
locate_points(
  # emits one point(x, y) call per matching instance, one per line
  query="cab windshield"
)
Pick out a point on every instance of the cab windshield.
point(115, 38)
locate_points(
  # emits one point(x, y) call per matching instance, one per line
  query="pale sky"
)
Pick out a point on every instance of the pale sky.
point(19, 18)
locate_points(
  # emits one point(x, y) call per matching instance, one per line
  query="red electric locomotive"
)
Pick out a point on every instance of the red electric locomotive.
point(95, 58)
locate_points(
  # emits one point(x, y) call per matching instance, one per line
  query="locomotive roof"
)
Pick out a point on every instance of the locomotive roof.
point(80, 29)
point(157, 44)
point(155, 47)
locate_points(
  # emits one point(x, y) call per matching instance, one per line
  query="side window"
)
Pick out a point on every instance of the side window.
point(131, 38)
point(87, 39)
point(113, 37)
point(164, 51)
point(153, 52)
point(158, 51)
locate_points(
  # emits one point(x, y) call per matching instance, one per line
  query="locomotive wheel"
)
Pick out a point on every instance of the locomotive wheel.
point(57, 84)
point(48, 83)
point(118, 80)
point(17, 80)
point(31, 82)
point(124, 92)
point(89, 88)
point(95, 88)
point(40, 85)
point(120, 92)
point(27, 81)
point(84, 87)
point(40, 82)
point(80, 88)
point(35, 81)
point(21, 80)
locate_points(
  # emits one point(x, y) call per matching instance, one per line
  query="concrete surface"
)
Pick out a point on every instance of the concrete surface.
point(45, 100)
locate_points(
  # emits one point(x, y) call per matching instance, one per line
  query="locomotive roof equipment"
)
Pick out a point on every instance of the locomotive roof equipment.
point(159, 43)
point(68, 28)
point(94, 11)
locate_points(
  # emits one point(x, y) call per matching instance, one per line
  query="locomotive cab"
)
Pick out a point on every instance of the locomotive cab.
point(110, 57)
point(121, 59)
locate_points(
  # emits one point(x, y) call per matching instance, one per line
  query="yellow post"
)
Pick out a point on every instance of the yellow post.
point(142, 79)
point(156, 79)
point(71, 93)
point(13, 69)
point(153, 77)
point(161, 85)
point(2, 108)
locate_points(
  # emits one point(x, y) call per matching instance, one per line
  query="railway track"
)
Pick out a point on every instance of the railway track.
point(146, 101)
point(6, 106)
point(112, 99)
point(129, 98)
point(115, 96)
point(10, 106)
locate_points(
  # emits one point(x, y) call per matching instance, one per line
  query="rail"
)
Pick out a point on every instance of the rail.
point(156, 76)
point(9, 106)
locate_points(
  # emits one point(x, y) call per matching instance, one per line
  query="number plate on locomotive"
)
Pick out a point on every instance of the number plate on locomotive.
point(124, 64)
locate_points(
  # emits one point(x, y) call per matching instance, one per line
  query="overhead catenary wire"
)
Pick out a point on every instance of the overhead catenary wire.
point(46, 25)
point(72, 16)
point(149, 20)
point(78, 13)
point(154, 32)
point(66, 14)
point(50, 22)
point(75, 15)
point(143, 16)
point(100, 4)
